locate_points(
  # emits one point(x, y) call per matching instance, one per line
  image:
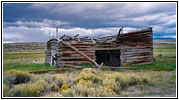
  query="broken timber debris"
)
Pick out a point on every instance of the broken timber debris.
point(117, 50)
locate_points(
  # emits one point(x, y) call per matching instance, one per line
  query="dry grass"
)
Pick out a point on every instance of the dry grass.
point(86, 83)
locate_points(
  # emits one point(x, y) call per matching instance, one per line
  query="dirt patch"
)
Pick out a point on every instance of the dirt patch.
point(131, 90)
point(146, 92)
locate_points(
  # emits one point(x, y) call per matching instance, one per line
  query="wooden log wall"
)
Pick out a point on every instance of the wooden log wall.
point(71, 57)
point(52, 45)
point(137, 47)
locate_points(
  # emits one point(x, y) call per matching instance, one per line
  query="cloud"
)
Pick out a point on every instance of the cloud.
point(34, 21)
point(172, 36)
point(13, 36)
point(98, 32)
point(107, 11)
point(24, 34)
point(43, 23)
point(69, 7)
point(163, 29)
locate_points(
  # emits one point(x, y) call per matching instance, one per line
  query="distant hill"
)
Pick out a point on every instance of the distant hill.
point(41, 46)
point(166, 41)
point(24, 46)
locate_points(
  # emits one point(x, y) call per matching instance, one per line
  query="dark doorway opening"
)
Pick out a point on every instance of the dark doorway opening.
point(108, 57)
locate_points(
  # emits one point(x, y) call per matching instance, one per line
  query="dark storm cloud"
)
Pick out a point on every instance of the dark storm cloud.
point(87, 19)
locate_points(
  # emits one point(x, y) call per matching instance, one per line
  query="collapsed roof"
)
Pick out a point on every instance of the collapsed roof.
point(102, 40)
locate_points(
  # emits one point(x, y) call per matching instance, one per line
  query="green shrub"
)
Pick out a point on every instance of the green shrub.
point(117, 81)
point(54, 87)
point(28, 90)
point(6, 90)
point(48, 78)
point(133, 80)
point(53, 95)
point(18, 90)
point(35, 78)
point(65, 86)
point(118, 78)
point(88, 71)
point(78, 90)
point(68, 93)
point(9, 79)
point(59, 82)
point(102, 92)
point(89, 77)
point(21, 77)
point(81, 90)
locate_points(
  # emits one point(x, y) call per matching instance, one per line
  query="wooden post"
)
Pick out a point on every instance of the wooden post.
point(118, 36)
point(57, 32)
point(51, 60)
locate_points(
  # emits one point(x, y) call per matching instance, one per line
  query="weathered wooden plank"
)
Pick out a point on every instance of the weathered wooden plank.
point(80, 44)
point(74, 52)
point(74, 59)
point(75, 62)
point(108, 48)
point(77, 46)
point(137, 53)
point(148, 62)
point(138, 60)
point(81, 49)
point(75, 55)
point(136, 36)
point(137, 49)
point(138, 57)
point(142, 62)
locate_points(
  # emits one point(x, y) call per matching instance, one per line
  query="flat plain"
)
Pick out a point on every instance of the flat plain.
point(154, 80)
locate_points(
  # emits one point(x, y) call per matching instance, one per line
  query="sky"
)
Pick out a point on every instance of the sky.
point(32, 22)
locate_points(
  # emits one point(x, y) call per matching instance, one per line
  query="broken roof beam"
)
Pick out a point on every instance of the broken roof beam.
point(66, 37)
point(118, 36)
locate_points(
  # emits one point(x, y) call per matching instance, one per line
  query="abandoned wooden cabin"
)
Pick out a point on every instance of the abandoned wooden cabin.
point(127, 48)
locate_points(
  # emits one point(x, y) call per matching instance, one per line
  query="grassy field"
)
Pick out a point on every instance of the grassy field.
point(154, 80)
point(25, 61)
